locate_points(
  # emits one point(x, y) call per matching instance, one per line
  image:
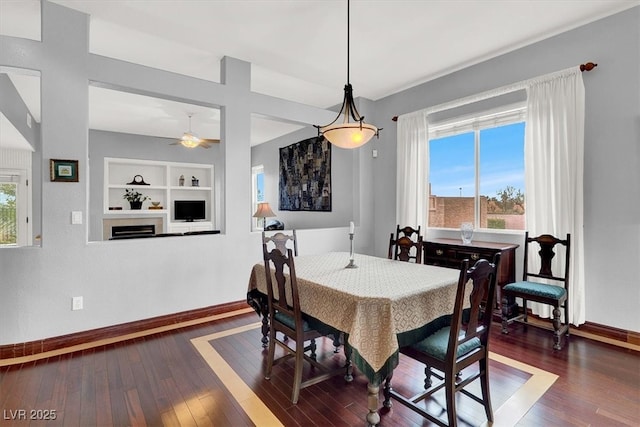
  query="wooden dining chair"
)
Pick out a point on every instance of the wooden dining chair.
point(286, 317)
point(406, 245)
point(405, 249)
point(554, 292)
point(281, 240)
point(410, 232)
point(454, 343)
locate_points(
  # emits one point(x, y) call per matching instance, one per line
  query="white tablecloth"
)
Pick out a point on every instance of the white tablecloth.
point(372, 303)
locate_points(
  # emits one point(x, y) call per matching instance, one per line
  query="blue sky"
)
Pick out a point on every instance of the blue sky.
point(501, 162)
point(4, 197)
point(260, 186)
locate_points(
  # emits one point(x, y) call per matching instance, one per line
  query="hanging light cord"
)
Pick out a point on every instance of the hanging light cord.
point(348, 41)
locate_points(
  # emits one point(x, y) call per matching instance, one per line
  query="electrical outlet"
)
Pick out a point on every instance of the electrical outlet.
point(76, 303)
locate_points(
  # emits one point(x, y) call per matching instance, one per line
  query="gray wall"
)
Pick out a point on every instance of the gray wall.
point(612, 150)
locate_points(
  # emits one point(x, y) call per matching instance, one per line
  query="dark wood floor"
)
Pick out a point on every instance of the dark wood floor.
point(162, 380)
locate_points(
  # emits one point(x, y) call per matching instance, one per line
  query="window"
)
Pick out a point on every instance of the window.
point(476, 171)
point(257, 180)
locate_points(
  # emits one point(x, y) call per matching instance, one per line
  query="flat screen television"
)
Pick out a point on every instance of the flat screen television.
point(189, 210)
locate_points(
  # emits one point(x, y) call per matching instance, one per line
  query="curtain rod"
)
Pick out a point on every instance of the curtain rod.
point(583, 67)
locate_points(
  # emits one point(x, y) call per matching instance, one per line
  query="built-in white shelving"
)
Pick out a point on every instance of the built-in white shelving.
point(163, 186)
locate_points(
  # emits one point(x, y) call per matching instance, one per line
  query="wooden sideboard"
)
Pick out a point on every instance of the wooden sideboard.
point(451, 252)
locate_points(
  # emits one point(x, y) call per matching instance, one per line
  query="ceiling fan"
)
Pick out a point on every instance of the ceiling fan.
point(191, 140)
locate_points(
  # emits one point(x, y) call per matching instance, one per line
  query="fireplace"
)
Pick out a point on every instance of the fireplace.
point(128, 228)
point(132, 231)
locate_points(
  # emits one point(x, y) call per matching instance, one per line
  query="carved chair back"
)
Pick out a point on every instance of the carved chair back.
point(281, 241)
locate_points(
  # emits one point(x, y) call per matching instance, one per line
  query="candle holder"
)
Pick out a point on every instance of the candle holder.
point(352, 263)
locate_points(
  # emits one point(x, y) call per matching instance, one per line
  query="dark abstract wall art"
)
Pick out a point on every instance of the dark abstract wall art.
point(305, 176)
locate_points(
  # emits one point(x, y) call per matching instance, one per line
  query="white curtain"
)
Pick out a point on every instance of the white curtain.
point(412, 170)
point(554, 161)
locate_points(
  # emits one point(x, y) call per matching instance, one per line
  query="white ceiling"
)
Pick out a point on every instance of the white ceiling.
point(297, 48)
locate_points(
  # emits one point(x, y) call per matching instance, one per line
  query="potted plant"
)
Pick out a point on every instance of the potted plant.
point(135, 198)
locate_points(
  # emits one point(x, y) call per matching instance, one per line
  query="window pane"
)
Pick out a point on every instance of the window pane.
point(451, 180)
point(502, 177)
point(8, 214)
point(260, 187)
point(257, 192)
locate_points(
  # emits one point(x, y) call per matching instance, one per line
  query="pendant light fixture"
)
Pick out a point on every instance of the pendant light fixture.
point(348, 134)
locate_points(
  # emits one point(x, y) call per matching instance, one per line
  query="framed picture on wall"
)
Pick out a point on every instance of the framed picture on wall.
point(305, 176)
point(63, 170)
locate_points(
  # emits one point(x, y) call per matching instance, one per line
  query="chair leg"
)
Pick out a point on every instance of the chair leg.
point(336, 343)
point(524, 311)
point(484, 383)
point(265, 325)
point(556, 329)
point(386, 391)
point(312, 346)
point(271, 353)
point(297, 376)
point(566, 315)
point(348, 375)
point(427, 377)
point(450, 391)
point(505, 315)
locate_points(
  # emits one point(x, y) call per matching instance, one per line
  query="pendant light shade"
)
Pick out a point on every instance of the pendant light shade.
point(348, 134)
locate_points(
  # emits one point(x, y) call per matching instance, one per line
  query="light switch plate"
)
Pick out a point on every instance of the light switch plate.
point(76, 217)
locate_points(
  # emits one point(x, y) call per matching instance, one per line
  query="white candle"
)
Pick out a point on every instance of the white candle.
point(352, 228)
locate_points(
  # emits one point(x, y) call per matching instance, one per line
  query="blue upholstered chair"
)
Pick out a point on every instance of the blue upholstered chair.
point(455, 342)
point(532, 288)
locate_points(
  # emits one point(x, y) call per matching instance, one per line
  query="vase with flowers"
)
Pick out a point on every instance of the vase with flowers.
point(135, 198)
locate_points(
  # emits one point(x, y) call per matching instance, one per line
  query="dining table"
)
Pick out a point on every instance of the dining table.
point(379, 305)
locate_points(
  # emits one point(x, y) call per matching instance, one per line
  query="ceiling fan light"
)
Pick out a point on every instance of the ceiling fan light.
point(189, 140)
point(349, 135)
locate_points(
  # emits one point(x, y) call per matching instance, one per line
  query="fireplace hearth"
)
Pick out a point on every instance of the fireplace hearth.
point(129, 228)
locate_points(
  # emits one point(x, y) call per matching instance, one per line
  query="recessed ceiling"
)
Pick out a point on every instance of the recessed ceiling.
point(298, 48)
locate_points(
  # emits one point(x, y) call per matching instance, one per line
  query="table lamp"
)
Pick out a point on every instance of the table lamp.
point(264, 211)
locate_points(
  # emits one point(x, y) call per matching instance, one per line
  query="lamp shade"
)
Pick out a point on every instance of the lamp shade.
point(349, 135)
point(263, 211)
